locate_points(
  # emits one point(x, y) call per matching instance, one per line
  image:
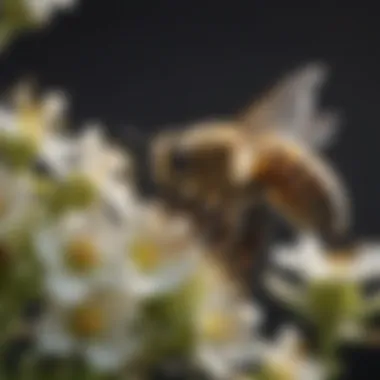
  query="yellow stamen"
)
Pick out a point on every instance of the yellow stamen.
point(87, 321)
point(82, 255)
point(145, 254)
point(31, 121)
point(218, 327)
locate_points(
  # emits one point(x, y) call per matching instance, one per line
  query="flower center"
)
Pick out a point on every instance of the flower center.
point(82, 255)
point(218, 327)
point(145, 254)
point(87, 321)
point(30, 121)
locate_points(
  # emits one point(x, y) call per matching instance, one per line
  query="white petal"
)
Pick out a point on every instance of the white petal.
point(40, 10)
point(68, 290)
point(287, 258)
point(58, 153)
point(7, 121)
point(213, 363)
point(167, 279)
point(281, 289)
point(311, 370)
point(110, 357)
point(48, 249)
point(250, 315)
point(288, 339)
point(367, 265)
point(53, 339)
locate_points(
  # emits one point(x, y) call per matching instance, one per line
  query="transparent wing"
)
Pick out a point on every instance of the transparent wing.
point(292, 107)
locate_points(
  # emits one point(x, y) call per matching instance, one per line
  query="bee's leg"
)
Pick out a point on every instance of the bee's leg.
point(249, 244)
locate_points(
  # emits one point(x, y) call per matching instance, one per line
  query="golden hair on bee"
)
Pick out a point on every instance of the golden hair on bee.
point(304, 188)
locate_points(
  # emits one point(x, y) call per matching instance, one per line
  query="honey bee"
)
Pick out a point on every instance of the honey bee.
point(268, 154)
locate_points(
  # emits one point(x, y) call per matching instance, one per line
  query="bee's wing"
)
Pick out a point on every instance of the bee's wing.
point(291, 107)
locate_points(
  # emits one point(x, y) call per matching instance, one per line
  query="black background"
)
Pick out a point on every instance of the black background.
point(153, 63)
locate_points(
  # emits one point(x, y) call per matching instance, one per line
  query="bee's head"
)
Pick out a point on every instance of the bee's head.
point(201, 162)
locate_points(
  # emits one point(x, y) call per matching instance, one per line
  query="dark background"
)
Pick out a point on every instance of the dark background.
point(153, 63)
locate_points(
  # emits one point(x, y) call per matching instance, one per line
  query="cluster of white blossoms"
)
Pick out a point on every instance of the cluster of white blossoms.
point(17, 16)
point(128, 284)
point(124, 280)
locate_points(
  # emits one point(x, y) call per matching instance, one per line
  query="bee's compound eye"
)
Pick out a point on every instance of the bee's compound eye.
point(180, 160)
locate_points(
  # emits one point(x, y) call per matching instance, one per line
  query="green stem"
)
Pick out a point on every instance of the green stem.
point(328, 351)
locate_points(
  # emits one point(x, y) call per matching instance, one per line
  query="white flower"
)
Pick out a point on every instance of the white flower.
point(309, 259)
point(104, 167)
point(330, 291)
point(285, 360)
point(30, 117)
point(162, 252)
point(79, 251)
point(226, 326)
point(99, 328)
point(30, 127)
point(42, 11)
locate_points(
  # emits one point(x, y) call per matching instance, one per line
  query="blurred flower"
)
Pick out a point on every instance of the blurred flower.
point(311, 261)
point(284, 359)
point(162, 251)
point(99, 328)
point(330, 287)
point(80, 251)
point(28, 124)
point(130, 282)
point(226, 328)
point(89, 169)
point(43, 10)
point(107, 167)
point(25, 15)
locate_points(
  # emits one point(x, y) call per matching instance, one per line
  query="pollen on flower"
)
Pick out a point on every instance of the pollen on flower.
point(82, 255)
point(30, 121)
point(87, 321)
point(145, 254)
point(218, 327)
